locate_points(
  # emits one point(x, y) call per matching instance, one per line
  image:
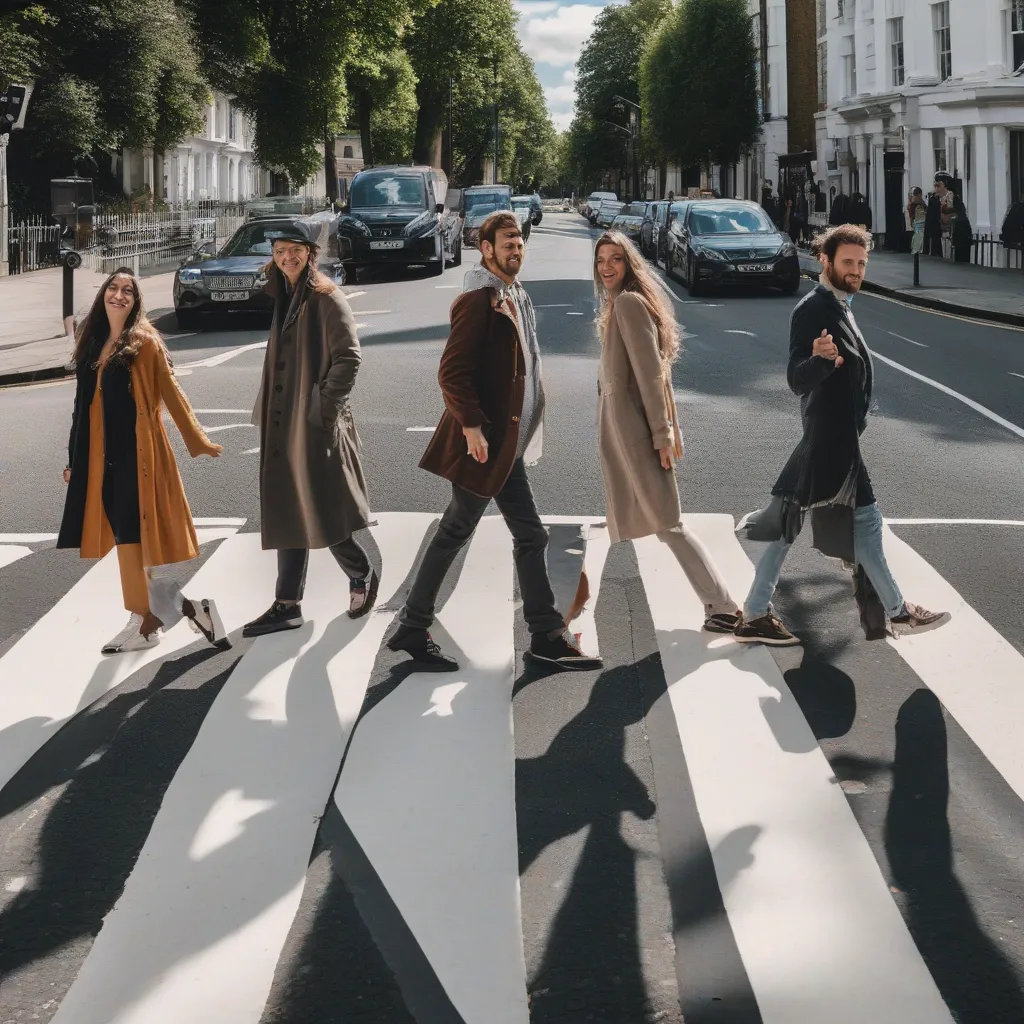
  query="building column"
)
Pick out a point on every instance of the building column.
point(1000, 158)
point(876, 196)
point(860, 150)
point(980, 208)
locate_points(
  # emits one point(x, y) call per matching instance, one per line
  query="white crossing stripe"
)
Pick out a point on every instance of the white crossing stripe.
point(428, 789)
point(56, 670)
point(199, 929)
point(10, 553)
point(976, 674)
point(807, 903)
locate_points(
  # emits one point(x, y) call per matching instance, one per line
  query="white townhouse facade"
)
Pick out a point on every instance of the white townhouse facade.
point(910, 87)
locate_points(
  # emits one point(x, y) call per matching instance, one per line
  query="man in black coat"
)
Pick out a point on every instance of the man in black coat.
point(830, 369)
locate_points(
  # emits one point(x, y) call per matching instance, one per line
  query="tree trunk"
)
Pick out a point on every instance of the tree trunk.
point(430, 120)
point(330, 166)
point(364, 100)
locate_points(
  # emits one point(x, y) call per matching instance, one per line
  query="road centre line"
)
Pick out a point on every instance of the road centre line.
point(749, 334)
point(969, 402)
point(555, 305)
point(444, 287)
point(353, 295)
point(369, 312)
point(919, 344)
point(222, 357)
point(416, 430)
point(941, 312)
point(1012, 374)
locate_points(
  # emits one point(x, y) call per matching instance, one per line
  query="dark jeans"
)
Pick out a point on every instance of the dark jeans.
point(529, 547)
point(292, 563)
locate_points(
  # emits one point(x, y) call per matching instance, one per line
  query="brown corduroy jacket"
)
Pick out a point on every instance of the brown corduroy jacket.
point(482, 381)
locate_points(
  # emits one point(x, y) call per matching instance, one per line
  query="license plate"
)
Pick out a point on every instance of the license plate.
point(229, 296)
point(387, 245)
point(756, 268)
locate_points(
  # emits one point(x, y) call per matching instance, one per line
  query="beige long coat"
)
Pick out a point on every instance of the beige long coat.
point(635, 418)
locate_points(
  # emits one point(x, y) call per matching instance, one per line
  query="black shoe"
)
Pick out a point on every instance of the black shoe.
point(205, 619)
point(277, 618)
point(721, 622)
point(362, 595)
point(562, 651)
point(766, 630)
point(420, 646)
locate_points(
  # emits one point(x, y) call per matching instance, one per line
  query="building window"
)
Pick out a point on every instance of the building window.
point(232, 123)
point(1016, 167)
point(1017, 34)
point(842, 10)
point(822, 76)
point(896, 51)
point(939, 148)
point(850, 75)
point(346, 153)
point(943, 42)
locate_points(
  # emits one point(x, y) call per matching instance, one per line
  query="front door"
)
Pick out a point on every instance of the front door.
point(896, 195)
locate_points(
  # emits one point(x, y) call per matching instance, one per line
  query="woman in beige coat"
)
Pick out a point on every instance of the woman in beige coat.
point(638, 437)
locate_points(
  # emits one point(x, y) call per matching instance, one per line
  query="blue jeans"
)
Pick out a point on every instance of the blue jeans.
point(867, 549)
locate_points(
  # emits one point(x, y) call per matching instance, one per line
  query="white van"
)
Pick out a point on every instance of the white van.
point(594, 200)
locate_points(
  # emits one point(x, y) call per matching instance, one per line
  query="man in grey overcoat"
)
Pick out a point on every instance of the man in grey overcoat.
point(312, 491)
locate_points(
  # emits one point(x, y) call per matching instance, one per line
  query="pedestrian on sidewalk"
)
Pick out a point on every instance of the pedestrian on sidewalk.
point(124, 489)
point(491, 429)
point(917, 214)
point(312, 489)
point(638, 434)
point(830, 368)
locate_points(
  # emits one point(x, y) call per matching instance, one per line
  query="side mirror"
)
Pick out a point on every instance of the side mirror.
point(207, 249)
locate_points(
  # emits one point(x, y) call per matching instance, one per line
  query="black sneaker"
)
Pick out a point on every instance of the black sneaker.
point(362, 595)
point(766, 630)
point(722, 622)
point(205, 619)
point(278, 617)
point(420, 646)
point(561, 651)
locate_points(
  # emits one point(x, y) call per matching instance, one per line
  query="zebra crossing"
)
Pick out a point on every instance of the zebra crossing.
point(414, 788)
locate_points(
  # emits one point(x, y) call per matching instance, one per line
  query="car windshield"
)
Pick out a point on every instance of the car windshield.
point(520, 204)
point(376, 190)
point(476, 202)
point(728, 220)
point(251, 239)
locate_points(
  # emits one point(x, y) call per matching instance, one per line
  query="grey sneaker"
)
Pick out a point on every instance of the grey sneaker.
point(768, 629)
point(131, 639)
point(916, 619)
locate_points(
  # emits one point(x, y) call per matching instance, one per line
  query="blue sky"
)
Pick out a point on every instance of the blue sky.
point(553, 33)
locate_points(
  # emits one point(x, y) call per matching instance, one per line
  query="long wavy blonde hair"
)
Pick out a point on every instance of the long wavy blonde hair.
point(95, 328)
point(640, 280)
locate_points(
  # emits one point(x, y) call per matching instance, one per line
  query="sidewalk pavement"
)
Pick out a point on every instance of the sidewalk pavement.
point(984, 293)
point(33, 345)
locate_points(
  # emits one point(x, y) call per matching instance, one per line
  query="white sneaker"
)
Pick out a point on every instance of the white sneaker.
point(130, 639)
point(204, 618)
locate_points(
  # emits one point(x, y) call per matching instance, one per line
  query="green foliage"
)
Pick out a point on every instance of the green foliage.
point(699, 84)
point(19, 45)
point(393, 119)
point(608, 67)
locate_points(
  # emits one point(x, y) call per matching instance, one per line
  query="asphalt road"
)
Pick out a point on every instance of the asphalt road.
point(644, 886)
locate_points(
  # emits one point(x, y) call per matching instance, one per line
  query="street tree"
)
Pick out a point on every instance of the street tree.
point(699, 84)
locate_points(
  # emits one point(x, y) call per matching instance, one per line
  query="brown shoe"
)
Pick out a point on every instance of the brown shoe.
point(916, 619)
point(766, 630)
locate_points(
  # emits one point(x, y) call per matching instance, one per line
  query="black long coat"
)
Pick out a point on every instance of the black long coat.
point(312, 489)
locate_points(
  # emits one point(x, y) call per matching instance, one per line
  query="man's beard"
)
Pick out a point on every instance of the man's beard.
point(506, 267)
point(838, 282)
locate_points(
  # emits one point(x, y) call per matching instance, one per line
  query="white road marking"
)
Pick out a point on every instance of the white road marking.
point(251, 451)
point(10, 553)
point(26, 538)
point(446, 286)
point(431, 796)
point(969, 402)
point(789, 855)
point(749, 334)
point(955, 522)
point(220, 412)
point(555, 305)
point(369, 312)
point(43, 684)
point(574, 314)
point(974, 672)
point(227, 426)
point(353, 295)
point(1012, 374)
point(198, 521)
point(420, 430)
point(919, 344)
point(205, 913)
point(938, 312)
point(222, 357)
point(712, 305)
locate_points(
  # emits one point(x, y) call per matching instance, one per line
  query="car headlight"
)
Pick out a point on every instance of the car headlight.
point(425, 225)
point(351, 226)
point(261, 280)
point(711, 254)
point(788, 249)
point(190, 275)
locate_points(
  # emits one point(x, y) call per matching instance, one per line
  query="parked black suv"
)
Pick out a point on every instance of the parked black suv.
point(401, 216)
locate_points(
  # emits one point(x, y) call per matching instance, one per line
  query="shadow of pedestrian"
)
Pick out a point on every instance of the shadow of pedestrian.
point(976, 980)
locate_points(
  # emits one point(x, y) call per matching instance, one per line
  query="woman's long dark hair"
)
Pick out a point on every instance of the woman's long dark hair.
point(95, 328)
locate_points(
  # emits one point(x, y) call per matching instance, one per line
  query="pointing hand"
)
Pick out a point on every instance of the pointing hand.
point(826, 348)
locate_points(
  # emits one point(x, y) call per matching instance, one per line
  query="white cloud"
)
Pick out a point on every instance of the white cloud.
point(554, 33)
point(561, 100)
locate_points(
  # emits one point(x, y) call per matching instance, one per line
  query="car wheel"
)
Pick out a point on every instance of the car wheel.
point(791, 287)
point(693, 285)
point(188, 319)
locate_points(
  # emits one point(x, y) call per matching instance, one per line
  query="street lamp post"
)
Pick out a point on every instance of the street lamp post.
point(634, 139)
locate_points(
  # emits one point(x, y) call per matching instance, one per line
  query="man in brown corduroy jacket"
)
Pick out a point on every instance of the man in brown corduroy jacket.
point(492, 426)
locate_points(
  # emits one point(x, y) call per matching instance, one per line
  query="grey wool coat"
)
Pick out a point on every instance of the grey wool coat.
point(635, 418)
point(312, 490)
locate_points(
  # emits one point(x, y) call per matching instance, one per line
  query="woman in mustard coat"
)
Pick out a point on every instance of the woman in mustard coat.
point(124, 489)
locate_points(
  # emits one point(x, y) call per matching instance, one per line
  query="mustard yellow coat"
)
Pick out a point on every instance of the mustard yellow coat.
point(167, 533)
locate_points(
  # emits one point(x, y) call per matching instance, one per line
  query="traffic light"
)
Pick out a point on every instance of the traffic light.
point(12, 105)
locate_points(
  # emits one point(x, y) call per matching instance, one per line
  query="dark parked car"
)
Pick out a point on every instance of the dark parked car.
point(732, 241)
point(233, 278)
point(648, 229)
point(402, 216)
point(671, 237)
point(483, 200)
point(629, 221)
point(667, 217)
